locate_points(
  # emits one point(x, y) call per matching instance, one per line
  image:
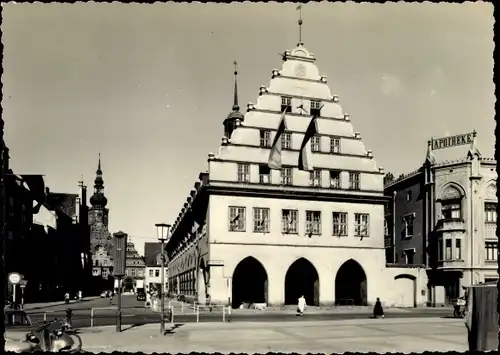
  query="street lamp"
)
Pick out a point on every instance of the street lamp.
point(162, 231)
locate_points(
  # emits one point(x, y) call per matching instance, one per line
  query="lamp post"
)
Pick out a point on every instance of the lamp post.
point(162, 231)
point(119, 258)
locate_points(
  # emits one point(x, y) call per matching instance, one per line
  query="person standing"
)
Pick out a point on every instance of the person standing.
point(378, 311)
point(79, 296)
point(301, 305)
point(66, 298)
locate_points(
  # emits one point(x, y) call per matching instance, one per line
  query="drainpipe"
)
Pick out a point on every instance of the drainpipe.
point(394, 193)
point(471, 227)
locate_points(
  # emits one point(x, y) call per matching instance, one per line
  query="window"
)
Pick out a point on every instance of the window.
point(133, 272)
point(313, 222)
point(361, 224)
point(261, 220)
point(447, 250)
point(409, 255)
point(340, 224)
point(286, 141)
point(151, 273)
point(286, 176)
point(265, 138)
point(408, 225)
point(408, 196)
point(458, 249)
point(237, 219)
point(334, 145)
point(451, 209)
point(286, 103)
point(315, 108)
point(289, 221)
point(491, 251)
point(243, 172)
point(264, 174)
point(316, 143)
point(315, 178)
point(354, 181)
point(490, 212)
point(334, 179)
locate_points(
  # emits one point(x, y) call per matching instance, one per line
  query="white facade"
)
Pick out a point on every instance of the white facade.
point(271, 236)
point(152, 278)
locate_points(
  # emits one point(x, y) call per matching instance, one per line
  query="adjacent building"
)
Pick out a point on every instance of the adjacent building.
point(152, 273)
point(134, 266)
point(248, 234)
point(443, 216)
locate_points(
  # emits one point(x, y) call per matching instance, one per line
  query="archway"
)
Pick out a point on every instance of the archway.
point(350, 285)
point(302, 280)
point(249, 283)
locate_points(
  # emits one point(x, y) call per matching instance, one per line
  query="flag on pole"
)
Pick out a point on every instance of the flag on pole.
point(305, 154)
point(275, 154)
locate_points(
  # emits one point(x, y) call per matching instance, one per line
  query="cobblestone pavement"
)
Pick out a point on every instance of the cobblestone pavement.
point(362, 335)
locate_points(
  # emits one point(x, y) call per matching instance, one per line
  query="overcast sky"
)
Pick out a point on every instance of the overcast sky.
point(148, 87)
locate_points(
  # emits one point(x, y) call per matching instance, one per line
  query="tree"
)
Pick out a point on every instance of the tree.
point(128, 283)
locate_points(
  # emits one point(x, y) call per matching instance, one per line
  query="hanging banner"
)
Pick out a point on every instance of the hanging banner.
point(452, 141)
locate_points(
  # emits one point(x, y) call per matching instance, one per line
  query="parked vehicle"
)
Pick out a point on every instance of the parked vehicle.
point(459, 307)
point(17, 323)
point(141, 296)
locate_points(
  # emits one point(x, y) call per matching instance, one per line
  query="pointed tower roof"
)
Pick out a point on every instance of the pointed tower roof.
point(98, 199)
point(235, 114)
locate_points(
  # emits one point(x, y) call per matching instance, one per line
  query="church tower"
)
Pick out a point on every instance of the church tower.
point(100, 237)
point(230, 121)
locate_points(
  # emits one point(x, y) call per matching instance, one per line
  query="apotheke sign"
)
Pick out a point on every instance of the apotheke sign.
point(452, 141)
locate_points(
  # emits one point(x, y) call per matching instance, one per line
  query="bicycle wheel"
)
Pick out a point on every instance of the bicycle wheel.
point(78, 342)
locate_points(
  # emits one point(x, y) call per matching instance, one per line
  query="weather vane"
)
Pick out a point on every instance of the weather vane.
point(235, 67)
point(299, 9)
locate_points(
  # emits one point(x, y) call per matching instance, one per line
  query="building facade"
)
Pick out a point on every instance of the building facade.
point(134, 266)
point(152, 273)
point(443, 215)
point(101, 241)
point(248, 234)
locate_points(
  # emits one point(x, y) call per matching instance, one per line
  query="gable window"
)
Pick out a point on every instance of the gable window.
point(408, 225)
point(361, 224)
point(151, 273)
point(264, 174)
point(286, 103)
point(315, 108)
point(237, 219)
point(261, 220)
point(289, 221)
point(315, 178)
point(286, 176)
point(340, 224)
point(243, 172)
point(334, 179)
point(408, 196)
point(451, 209)
point(334, 145)
point(491, 251)
point(265, 138)
point(316, 144)
point(490, 212)
point(354, 181)
point(313, 222)
point(286, 141)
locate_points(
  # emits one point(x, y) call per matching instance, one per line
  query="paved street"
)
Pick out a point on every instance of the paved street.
point(364, 335)
point(134, 313)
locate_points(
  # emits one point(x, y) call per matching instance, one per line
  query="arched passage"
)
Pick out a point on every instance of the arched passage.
point(405, 290)
point(249, 283)
point(302, 280)
point(350, 285)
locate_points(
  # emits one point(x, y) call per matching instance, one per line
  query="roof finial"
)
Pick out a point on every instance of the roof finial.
point(99, 171)
point(299, 9)
point(430, 157)
point(236, 107)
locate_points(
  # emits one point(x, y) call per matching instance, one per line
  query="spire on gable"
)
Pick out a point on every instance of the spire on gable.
point(473, 151)
point(430, 157)
point(230, 122)
point(236, 107)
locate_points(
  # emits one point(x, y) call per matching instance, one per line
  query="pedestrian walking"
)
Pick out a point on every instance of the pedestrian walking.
point(66, 298)
point(110, 297)
point(69, 314)
point(301, 305)
point(378, 311)
point(79, 296)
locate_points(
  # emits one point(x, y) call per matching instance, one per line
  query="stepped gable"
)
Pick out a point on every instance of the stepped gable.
point(300, 80)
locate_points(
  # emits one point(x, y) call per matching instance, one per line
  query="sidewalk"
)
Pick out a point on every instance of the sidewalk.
point(43, 305)
point(373, 335)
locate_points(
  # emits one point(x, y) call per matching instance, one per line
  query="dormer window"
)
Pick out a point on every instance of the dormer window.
point(286, 103)
point(315, 108)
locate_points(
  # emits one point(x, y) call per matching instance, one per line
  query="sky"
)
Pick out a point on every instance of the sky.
point(148, 87)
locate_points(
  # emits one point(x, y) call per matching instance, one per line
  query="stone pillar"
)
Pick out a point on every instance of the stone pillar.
point(200, 287)
point(219, 291)
point(178, 285)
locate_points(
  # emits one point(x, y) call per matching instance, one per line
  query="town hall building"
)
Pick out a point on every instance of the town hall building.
point(248, 234)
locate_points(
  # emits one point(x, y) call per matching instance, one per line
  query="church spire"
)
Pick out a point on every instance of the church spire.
point(98, 199)
point(236, 107)
point(299, 9)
